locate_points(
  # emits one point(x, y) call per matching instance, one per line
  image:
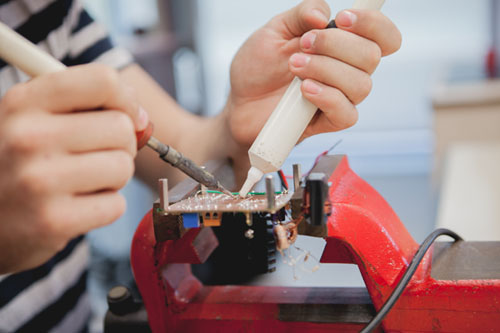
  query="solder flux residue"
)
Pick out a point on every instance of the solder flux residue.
point(209, 202)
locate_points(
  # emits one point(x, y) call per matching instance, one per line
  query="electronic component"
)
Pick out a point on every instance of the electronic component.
point(212, 219)
point(191, 220)
point(316, 203)
point(249, 230)
point(213, 201)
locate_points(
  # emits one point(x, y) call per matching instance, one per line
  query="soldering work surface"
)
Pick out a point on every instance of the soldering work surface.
point(214, 202)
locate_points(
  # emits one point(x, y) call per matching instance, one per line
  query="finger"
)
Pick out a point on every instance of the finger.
point(94, 131)
point(81, 88)
point(342, 45)
point(309, 14)
point(372, 25)
point(75, 215)
point(37, 132)
point(354, 83)
point(78, 174)
point(337, 112)
point(97, 171)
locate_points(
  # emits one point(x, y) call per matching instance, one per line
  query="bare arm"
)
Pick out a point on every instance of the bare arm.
point(198, 138)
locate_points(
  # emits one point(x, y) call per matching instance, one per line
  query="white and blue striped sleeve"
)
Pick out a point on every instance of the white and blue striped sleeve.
point(90, 42)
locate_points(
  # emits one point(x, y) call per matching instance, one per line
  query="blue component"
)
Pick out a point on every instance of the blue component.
point(191, 220)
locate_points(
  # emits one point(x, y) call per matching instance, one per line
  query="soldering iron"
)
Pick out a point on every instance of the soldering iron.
point(23, 54)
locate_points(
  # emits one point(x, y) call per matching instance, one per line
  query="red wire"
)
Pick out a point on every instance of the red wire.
point(323, 154)
point(316, 160)
point(283, 178)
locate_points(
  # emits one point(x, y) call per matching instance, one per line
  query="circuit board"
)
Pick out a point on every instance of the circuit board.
point(216, 202)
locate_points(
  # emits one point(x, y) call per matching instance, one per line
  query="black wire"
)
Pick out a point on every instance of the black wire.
point(396, 293)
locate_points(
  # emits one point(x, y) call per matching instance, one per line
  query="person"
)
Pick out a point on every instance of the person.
point(67, 139)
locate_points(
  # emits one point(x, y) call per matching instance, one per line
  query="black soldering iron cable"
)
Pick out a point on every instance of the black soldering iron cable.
point(396, 293)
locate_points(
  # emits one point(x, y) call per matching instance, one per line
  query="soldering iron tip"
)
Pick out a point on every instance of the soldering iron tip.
point(225, 191)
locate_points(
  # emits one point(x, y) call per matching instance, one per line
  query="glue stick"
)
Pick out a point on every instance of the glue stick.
point(285, 125)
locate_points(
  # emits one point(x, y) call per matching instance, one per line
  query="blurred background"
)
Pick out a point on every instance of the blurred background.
point(427, 137)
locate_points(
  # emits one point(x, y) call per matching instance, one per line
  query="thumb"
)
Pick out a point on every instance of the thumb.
point(308, 15)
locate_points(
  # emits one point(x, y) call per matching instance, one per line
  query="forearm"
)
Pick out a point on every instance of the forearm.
point(198, 138)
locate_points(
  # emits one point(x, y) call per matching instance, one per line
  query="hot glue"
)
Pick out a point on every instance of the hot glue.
point(285, 125)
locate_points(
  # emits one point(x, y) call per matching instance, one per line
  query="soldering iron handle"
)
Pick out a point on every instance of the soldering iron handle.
point(23, 54)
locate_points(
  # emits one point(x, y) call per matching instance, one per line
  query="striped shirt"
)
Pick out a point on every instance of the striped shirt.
point(52, 297)
point(63, 29)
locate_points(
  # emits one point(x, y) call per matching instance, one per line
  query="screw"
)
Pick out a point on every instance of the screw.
point(249, 234)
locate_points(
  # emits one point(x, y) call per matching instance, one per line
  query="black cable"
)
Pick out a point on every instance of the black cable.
point(396, 293)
